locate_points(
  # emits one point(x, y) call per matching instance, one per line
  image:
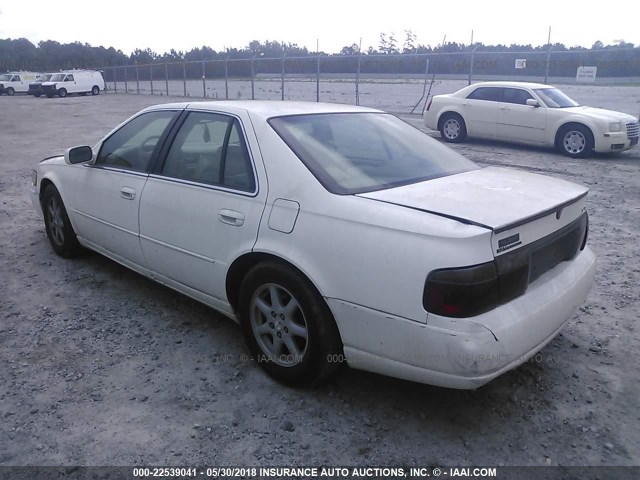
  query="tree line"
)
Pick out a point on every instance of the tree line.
point(621, 59)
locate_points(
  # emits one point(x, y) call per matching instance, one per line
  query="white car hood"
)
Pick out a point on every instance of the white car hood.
point(601, 114)
point(491, 197)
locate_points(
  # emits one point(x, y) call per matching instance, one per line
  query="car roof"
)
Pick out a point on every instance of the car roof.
point(511, 84)
point(267, 108)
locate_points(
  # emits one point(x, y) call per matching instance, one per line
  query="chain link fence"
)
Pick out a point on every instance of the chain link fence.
point(365, 79)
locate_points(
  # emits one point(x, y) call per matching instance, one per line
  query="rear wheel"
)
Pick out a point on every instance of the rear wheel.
point(56, 221)
point(453, 128)
point(287, 325)
point(10, 91)
point(62, 92)
point(575, 141)
point(95, 90)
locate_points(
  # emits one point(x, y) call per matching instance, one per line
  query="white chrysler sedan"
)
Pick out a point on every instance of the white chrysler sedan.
point(531, 113)
point(332, 234)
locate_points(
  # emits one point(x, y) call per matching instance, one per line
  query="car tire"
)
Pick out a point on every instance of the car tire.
point(575, 141)
point(287, 325)
point(57, 225)
point(49, 95)
point(452, 128)
point(11, 92)
point(37, 94)
point(62, 93)
point(95, 90)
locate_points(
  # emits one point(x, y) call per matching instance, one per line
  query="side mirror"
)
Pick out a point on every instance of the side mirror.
point(532, 102)
point(78, 155)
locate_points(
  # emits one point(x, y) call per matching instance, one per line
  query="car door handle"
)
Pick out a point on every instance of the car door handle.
point(231, 217)
point(504, 108)
point(127, 193)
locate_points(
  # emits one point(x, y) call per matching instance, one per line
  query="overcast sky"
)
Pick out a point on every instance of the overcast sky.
point(185, 24)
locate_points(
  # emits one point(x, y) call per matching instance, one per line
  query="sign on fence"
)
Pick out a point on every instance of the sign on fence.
point(521, 63)
point(586, 74)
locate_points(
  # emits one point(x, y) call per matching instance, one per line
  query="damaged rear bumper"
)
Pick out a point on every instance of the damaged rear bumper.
point(466, 353)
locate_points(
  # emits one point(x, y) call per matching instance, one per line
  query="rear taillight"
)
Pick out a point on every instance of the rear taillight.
point(469, 291)
point(429, 104)
point(461, 292)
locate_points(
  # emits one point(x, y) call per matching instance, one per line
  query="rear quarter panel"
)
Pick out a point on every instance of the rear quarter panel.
point(356, 249)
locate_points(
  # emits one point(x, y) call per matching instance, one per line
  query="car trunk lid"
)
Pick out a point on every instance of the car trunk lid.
point(520, 207)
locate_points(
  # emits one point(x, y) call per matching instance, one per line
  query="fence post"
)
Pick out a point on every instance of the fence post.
point(204, 81)
point(471, 65)
point(282, 78)
point(151, 77)
point(226, 77)
point(126, 84)
point(184, 77)
point(137, 79)
point(318, 79)
point(358, 79)
point(546, 69)
point(253, 93)
point(426, 77)
point(166, 77)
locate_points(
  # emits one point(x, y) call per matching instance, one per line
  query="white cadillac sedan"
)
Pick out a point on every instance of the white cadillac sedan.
point(332, 234)
point(531, 113)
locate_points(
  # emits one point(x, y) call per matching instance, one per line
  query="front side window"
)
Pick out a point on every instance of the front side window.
point(15, 78)
point(515, 95)
point(491, 94)
point(554, 98)
point(210, 148)
point(361, 152)
point(69, 78)
point(132, 146)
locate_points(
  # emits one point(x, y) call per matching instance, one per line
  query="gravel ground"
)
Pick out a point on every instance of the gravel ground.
point(100, 366)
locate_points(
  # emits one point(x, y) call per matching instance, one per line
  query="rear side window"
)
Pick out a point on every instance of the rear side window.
point(210, 148)
point(491, 94)
point(132, 146)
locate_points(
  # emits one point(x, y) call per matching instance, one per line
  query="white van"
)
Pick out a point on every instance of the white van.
point(16, 82)
point(74, 81)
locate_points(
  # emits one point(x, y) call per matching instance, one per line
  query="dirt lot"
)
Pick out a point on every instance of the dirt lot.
point(100, 366)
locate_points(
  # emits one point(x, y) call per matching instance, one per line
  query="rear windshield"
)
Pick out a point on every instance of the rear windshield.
point(361, 152)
